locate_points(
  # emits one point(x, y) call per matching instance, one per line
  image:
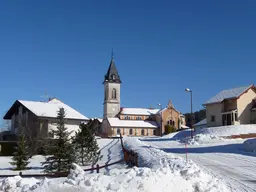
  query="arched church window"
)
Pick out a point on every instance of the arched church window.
point(130, 131)
point(114, 93)
point(106, 95)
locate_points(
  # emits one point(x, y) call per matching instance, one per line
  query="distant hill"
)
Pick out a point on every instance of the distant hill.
point(198, 116)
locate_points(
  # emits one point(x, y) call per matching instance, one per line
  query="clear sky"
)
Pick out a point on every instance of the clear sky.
point(160, 48)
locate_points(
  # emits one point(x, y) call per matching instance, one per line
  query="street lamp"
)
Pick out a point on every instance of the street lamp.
point(160, 105)
point(191, 113)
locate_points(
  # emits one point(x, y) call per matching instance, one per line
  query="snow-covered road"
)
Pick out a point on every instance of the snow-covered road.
point(225, 159)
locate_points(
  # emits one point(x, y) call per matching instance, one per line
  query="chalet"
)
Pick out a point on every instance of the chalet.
point(232, 107)
point(38, 118)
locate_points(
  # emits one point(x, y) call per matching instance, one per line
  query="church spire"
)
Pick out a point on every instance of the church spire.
point(112, 74)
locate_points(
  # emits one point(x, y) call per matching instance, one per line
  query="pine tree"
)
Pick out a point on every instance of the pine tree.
point(21, 155)
point(86, 145)
point(60, 152)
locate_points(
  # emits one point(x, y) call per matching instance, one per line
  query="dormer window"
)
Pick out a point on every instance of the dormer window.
point(113, 77)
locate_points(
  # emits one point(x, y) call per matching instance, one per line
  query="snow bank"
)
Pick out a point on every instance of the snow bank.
point(228, 130)
point(135, 179)
point(202, 139)
point(250, 145)
point(14, 183)
point(188, 173)
point(209, 135)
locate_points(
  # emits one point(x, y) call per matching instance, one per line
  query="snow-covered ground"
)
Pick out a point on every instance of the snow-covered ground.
point(160, 172)
point(228, 130)
point(224, 157)
point(214, 164)
point(110, 149)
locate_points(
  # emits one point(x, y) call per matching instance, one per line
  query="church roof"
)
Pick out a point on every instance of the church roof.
point(138, 111)
point(112, 74)
point(116, 122)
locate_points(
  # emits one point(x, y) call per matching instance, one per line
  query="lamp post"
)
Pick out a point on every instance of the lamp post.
point(160, 105)
point(191, 113)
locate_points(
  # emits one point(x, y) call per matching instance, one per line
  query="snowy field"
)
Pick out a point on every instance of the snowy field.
point(224, 157)
point(214, 164)
point(110, 149)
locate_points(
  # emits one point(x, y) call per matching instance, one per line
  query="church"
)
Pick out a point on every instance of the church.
point(133, 121)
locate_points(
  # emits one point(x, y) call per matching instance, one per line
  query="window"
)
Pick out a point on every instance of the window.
point(118, 131)
point(113, 77)
point(130, 131)
point(105, 98)
point(142, 132)
point(212, 118)
point(138, 118)
point(170, 122)
point(113, 93)
point(154, 132)
point(127, 117)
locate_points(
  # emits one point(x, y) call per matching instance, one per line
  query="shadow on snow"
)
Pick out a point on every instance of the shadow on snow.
point(229, 148)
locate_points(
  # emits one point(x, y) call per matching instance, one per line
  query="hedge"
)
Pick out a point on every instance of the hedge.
point(7, 148)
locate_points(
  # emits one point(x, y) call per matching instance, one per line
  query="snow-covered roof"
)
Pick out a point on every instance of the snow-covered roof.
point(202, 122)
point(50, 109)
point(227, 94)
point(99, 119)
point(184, 126)
point(116, 122)
point(138, 111)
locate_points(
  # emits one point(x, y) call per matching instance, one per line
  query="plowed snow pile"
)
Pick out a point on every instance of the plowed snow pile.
point(191, 175)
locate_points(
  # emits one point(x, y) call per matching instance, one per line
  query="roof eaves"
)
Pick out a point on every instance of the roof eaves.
point(6, 116)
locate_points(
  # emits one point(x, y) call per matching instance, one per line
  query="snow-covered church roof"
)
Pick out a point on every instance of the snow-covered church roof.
point(138, 111)
point(48, 109)
point(116, 122)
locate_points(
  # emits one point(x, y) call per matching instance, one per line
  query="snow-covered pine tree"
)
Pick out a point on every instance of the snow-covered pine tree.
point(60, 153)
point(21, 155)
point(86, 145)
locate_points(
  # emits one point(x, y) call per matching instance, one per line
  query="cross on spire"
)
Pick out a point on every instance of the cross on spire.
point(112, 54)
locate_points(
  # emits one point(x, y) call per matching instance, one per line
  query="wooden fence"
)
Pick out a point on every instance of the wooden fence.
point(130, 158)
point(62, 174)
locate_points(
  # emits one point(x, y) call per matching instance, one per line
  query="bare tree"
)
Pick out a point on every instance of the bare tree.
point(7, 125)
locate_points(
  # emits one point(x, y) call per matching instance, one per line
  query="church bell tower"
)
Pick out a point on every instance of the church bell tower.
point(112, 84)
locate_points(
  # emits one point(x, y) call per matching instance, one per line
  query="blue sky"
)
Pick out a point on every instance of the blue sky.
point(160, 48)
